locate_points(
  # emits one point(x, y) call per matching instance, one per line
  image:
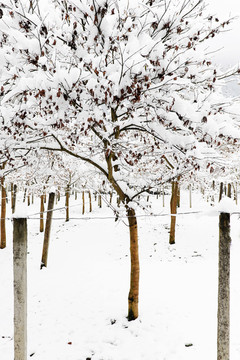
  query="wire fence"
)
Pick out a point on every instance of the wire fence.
point(117, 216)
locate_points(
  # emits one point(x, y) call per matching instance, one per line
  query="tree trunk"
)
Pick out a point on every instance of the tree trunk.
point(229, 190)
point(223, 287)
point(173, 207)
point(13, 197)
point(41, 213)
point(25, 194)
point(67, 202)
point(90, 201)
point(178, 196)
point(163, 196)
point(58, 195)
point(213, 185)
point(83, 203)
point(236, 193)
point(3, 215)
point(47, 230)
point(135, 269)
point(100, 200)
point(190, 196)
point(221, 191)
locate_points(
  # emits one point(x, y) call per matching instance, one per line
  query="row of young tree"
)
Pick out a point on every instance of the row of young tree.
point(125, 88)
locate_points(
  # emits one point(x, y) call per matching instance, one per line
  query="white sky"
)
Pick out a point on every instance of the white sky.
point(229, 41)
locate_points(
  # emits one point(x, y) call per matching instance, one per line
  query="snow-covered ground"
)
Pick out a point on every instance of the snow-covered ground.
point(77, 306)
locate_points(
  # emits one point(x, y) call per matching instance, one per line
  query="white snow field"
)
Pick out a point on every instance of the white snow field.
point(77, 306)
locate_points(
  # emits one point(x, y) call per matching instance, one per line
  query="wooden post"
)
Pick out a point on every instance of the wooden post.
point(47, 230)
point(223, 316)
point(3, 215)
point(20, 287)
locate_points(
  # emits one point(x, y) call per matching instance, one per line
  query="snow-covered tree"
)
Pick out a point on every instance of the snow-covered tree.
point(124, 86)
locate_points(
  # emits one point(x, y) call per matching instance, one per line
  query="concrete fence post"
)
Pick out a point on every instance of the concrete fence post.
point(223, 316)
point(20, 287)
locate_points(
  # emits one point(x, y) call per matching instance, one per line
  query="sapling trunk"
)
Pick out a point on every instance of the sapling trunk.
point(90, 201)
point(135, 268)
point(236, 193)
point(221, 191)
point(83, 203)
point(173, 207)
point(67, 194)
point(13, 197)
point(178, 196)
point(41, 213)
point(29, 199)
point(3, 215)
point(229, 190)
point(190, 196)
point(100, 200)
point(24, 194)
